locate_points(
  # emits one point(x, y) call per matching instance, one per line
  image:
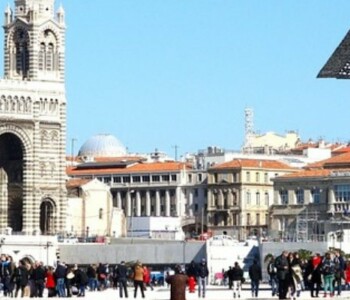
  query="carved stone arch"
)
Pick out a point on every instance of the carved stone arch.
point(28, 105)
point(54, 135)
point(54, 31)
point(44, 137)
point(17, 131)
point(12, 32)
point(2, 103)
point(19, 43)
point(48, 212)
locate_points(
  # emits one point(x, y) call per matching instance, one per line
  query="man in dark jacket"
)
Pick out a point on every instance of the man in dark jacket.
point(255, 277)
point(177, 284)
point(283, 275)
point(236, 277)
point(121, 273)
point(272, 271)
point(202, 274)
point(60, 275)
point(38, 276)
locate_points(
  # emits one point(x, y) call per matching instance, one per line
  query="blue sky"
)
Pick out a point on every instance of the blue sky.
point(159, 73)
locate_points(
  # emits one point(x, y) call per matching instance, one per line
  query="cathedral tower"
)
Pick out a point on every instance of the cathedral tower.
point(33, 119)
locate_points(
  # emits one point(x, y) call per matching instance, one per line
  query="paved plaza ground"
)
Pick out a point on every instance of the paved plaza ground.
point(213, 293)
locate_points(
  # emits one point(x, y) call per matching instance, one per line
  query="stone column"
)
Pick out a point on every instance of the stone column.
point(167, 203)
point(148, 203)
point(178, 201)
point(157, 203)
point(119, 200)
point(190, 203)
point(128, 204)
point(221, 198)
point(331, 199)
point(138, 204)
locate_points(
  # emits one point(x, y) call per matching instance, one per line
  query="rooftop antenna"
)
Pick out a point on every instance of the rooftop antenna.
point(249, 129)
point(176, 147)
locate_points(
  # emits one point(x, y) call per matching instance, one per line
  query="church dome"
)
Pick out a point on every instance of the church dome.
point(102, 145)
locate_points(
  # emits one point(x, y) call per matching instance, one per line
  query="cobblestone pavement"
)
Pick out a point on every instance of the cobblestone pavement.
point(213, 293)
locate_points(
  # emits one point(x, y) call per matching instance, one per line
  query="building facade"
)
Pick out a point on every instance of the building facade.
point(33, 119)
point(313, 204)
point(160, 199)
point(239, 195)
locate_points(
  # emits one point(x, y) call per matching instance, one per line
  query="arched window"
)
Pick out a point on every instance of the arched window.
point(50, 58)
point(42, 57)
point(21, 41)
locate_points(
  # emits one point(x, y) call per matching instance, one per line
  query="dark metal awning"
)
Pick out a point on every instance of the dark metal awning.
point(338, 65)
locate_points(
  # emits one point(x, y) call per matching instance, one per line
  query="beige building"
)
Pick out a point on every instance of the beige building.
point(159, 198)
point(90, 210)
point(314, 203)
point(271, 143)
point(239, 195)
point(33, 119)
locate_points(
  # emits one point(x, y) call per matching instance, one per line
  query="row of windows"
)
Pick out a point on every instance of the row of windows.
point(257, 219)
point(300, 196)
point(235, 177)
point(257, 177)
point(257, 198)
point(138, 178)
point(199, 178)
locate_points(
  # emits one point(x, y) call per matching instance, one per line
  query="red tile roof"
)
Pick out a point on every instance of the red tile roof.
point(341, 161)
point(252, 163)
point(76, 182)
point(154, 167)
point(307, 173)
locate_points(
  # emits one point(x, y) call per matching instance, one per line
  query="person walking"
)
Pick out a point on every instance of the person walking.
point(255, 276)
point(282, 266)
point(122, 277)
point(296, 275)
point(272, 271)
point(178, 283)
point(192, 275)
point(60, 275)
point(81, 280)
point(202, 274)
point(340, 267)
point(38, 275)
point(236, 275)
point(328, 269)
point(314, 277)
point(92, 275)
point(50, 282)
point(138, 279)
point(21, 278)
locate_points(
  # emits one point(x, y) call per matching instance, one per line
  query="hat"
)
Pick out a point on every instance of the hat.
point(122, 262)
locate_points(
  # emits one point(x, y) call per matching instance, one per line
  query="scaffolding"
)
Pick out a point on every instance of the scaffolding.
point(305, 230)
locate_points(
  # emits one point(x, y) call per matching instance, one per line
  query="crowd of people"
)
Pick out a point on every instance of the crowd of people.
point(28, 279)
point(324, 276)
point(289, 276)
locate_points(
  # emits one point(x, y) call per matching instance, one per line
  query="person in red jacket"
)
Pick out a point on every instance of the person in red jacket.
point(147, 278)
point(50, 282)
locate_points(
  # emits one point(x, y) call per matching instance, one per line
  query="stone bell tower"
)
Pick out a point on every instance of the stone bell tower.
point(33, 119)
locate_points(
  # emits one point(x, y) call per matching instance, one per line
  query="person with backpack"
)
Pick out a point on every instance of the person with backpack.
point(255, 277)
point(283, 275)
point(202, 273)
point(272, 271)
point(328, 270)
point(121, 273)
point(340, 267)
point(236, 275)
point(81, 280)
